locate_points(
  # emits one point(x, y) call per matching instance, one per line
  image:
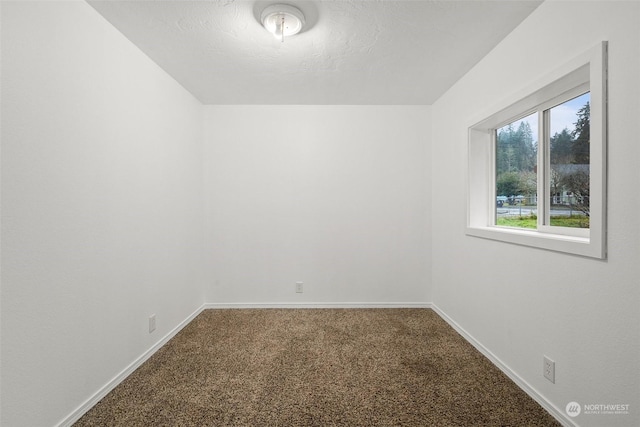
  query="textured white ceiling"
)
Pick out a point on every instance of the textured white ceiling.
point(350, 52)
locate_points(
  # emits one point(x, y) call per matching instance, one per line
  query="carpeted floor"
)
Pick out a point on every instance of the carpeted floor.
point(317, 367)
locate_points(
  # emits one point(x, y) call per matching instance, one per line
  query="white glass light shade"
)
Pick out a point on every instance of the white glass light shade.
point(282, 20)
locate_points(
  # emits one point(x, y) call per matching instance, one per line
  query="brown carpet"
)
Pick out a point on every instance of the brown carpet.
point(317, 367)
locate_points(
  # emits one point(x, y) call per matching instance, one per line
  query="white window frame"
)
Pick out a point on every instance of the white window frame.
point(585, 73)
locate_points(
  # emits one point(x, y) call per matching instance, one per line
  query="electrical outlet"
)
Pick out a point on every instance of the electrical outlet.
point(152, 323)
point(299, 287)
point(549, 369)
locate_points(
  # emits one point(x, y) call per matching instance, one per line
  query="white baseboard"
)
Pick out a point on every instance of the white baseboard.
point(103, 391)
point(526, 387)
point(319, 305)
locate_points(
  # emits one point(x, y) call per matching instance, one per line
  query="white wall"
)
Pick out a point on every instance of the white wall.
point(102, 207)
point(337, 197)
point(521, 303)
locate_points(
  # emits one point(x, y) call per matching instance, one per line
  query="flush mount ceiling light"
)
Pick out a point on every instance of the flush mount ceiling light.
point(282, 20)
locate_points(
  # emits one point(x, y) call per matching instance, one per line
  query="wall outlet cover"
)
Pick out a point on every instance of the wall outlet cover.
point(152, 323)
point(549, 369)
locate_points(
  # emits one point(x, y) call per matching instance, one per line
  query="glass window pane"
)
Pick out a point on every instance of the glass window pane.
point(569, 163)
point(516, 173)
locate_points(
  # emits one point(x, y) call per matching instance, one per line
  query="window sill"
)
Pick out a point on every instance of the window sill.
point(583, 246)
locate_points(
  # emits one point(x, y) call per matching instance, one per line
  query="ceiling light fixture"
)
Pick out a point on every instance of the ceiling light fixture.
point(282, 20)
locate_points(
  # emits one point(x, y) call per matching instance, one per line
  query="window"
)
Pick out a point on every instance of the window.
point(537, 167)
point(516, 146)
point(563, 166)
